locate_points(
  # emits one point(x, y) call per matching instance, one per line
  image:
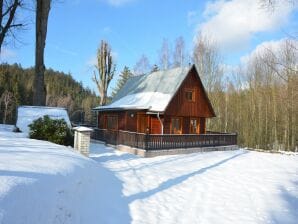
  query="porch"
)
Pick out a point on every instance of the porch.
point(153, 142)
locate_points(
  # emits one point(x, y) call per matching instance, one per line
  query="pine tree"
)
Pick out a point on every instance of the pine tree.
point(124, 76)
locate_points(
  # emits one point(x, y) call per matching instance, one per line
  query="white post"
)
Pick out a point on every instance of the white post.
point(82, 139)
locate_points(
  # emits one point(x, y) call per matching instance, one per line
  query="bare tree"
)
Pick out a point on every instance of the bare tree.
point(208, 61)
point(179, 53)
point(106, 69)
point(142, 66)
point(273, 4)
point(7, 98)
point(8, 23)
point(42, 14)
point(164, 55)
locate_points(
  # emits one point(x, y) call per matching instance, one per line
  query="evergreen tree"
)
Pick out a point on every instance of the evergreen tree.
point(124, 76)
point(62, 90)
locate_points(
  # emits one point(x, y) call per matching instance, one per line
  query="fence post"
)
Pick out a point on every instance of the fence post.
point(136, 140)
point(146, 140)
point(117, 137)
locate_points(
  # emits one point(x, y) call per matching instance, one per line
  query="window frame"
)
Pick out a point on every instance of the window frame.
point(193, 94)
point(179, 131)
point(197, 126)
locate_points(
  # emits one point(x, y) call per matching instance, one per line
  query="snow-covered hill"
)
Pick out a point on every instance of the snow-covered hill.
point(41, 182)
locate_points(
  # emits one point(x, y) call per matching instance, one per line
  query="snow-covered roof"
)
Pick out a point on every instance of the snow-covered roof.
point(151, 92)
point(27, 114)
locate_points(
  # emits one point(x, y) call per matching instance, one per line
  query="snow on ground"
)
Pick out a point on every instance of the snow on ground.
point(216, 187)
point(41, 182)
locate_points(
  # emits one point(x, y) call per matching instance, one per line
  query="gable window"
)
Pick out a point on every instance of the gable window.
point(190, 95)
point(112, 122)
point(176, 126)
point(193, 126)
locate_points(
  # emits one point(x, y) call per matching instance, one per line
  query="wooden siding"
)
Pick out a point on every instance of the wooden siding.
point(142, 123)
point(131, 121)
point(202, 125)
point(180, 106)
point(155, 127)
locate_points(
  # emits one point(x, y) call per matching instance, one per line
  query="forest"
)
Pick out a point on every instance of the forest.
point(257, 99)
point(16, 88)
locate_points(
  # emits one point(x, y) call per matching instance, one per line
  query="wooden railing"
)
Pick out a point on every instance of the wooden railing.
point(167, 141)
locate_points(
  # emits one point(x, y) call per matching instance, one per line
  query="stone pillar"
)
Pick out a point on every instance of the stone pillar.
point(82, 139)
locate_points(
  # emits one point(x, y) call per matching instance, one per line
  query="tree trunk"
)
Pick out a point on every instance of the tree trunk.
point(42, 13)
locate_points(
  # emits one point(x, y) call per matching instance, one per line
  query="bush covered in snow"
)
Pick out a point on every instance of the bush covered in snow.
point(53, 130)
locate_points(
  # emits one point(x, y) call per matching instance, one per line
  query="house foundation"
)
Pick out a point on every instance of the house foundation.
point(153, 153)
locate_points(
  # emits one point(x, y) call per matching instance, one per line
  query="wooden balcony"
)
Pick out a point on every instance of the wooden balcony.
point(166, 141)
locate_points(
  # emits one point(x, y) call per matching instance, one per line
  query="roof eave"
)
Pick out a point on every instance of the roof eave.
point(118, 109)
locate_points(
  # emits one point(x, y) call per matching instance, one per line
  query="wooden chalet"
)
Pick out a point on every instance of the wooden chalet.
point(160, 110)
point(163, 102)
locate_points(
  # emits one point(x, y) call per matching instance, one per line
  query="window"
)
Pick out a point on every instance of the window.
point(190, 95)
point(193, 126)
point(176, 126)
point(112, 122)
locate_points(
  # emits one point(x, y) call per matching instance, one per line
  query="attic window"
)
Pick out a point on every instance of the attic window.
point(190, 95)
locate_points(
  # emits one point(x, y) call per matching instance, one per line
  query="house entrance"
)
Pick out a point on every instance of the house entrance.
point(142, 123)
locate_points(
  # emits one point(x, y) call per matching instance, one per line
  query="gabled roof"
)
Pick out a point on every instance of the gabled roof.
point(152, 92)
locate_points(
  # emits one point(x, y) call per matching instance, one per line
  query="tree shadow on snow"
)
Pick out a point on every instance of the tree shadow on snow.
point(289, 214)
point(115, 203)
point(178, 180)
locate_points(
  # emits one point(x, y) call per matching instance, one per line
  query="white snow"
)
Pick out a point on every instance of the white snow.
point(41, 182)
point(27, 114)
point(154, 101)
point(215, 187)
point(83, 129)
point(6, 128)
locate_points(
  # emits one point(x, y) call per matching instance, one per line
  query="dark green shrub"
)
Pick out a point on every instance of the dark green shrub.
point(53, 130)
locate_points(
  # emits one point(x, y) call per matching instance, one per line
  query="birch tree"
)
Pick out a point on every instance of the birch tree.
point(179, 52)
point(164, 55)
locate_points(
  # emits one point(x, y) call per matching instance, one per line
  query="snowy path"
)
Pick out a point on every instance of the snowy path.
point(216, 187)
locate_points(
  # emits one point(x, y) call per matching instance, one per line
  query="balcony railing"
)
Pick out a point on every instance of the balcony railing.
point(166, 141)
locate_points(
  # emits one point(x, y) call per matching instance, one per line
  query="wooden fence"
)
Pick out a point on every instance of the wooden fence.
point(166, 141)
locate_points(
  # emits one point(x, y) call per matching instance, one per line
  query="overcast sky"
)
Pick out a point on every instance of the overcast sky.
point(136, 27)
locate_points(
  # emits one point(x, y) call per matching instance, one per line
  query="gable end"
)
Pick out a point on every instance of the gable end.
point(200, 106)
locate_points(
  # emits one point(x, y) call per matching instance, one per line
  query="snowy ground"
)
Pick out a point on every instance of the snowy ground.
point(216, 187)
point(41, 182)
